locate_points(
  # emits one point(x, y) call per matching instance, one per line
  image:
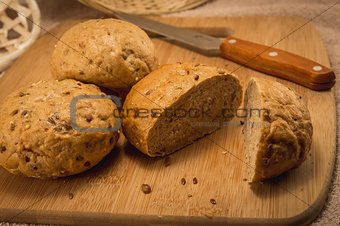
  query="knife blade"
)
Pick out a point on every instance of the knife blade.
point(273, 61)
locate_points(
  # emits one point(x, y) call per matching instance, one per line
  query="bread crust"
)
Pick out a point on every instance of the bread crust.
point(163, 88)
point(107, 52)
point(286, 138)
point(36, 136)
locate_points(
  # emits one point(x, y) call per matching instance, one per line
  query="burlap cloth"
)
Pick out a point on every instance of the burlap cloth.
point(328, 25)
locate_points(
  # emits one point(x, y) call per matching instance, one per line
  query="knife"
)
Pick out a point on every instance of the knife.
point(273, 61)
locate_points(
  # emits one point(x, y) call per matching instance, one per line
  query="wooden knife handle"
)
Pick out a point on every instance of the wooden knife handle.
point(278, 62)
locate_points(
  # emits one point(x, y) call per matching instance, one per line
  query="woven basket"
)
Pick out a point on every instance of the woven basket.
point(19, 28)
point(142, 7)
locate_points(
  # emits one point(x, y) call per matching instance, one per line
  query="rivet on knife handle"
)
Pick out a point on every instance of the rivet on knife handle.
point(278, 62)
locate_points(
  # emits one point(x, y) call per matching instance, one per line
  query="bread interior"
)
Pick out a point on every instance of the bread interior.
point(252, 126)
point(172, 133)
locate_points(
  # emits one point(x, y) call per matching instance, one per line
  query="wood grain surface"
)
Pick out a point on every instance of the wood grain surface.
point(111, 191)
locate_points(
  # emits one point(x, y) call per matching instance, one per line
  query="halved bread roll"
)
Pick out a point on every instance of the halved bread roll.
point(177, 104)
point(278, 131)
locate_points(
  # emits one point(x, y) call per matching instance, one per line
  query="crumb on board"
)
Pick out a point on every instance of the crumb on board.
point(195, 180)
point(70, 195)
point(146, 189)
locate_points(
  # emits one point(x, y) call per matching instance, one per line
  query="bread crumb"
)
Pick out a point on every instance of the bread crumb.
point(167, 161)
point(195, 180)
point(146, 189)
point(70, 195)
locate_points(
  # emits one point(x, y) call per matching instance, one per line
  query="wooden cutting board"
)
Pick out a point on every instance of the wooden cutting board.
point(111, 191)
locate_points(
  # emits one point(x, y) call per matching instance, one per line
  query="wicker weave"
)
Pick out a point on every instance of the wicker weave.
point(19, 28)
point(143, 7)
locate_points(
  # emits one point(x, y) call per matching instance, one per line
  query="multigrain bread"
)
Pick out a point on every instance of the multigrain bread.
point(107, 52)
point(167, 109)
point(36, 136)
point(278, 131)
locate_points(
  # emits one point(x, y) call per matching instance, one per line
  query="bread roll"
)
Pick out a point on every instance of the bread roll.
point(36, 136)
point(107, 52)
point(278, 131)
point(168, 108)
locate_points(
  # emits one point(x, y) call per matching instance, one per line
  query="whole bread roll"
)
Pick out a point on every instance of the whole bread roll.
point(107, 52)
point(36, 136)
point(178, 103)
point(278, 131)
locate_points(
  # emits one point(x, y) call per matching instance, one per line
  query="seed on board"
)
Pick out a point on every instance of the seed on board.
point(196, 65)
point(221, 72)
point(183, 181)
point(244, 179)
point(146, 189)
point(196, 77)
point(189, 195)
point(70, 195)
point(194, 180)
point(224, 152)
point(213, 201)
point(28, 126)
point(89, 118)
point(167, 161)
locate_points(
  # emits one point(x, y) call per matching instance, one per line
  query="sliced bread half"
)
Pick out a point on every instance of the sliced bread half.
point(177, 104)
point(278, 130)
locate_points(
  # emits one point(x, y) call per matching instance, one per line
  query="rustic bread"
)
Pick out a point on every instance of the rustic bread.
point(36, 136)
point(164, 92)
point(278, 136)
point(107, 52)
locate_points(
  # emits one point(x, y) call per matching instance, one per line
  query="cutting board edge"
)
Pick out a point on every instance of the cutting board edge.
point(89, 218)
